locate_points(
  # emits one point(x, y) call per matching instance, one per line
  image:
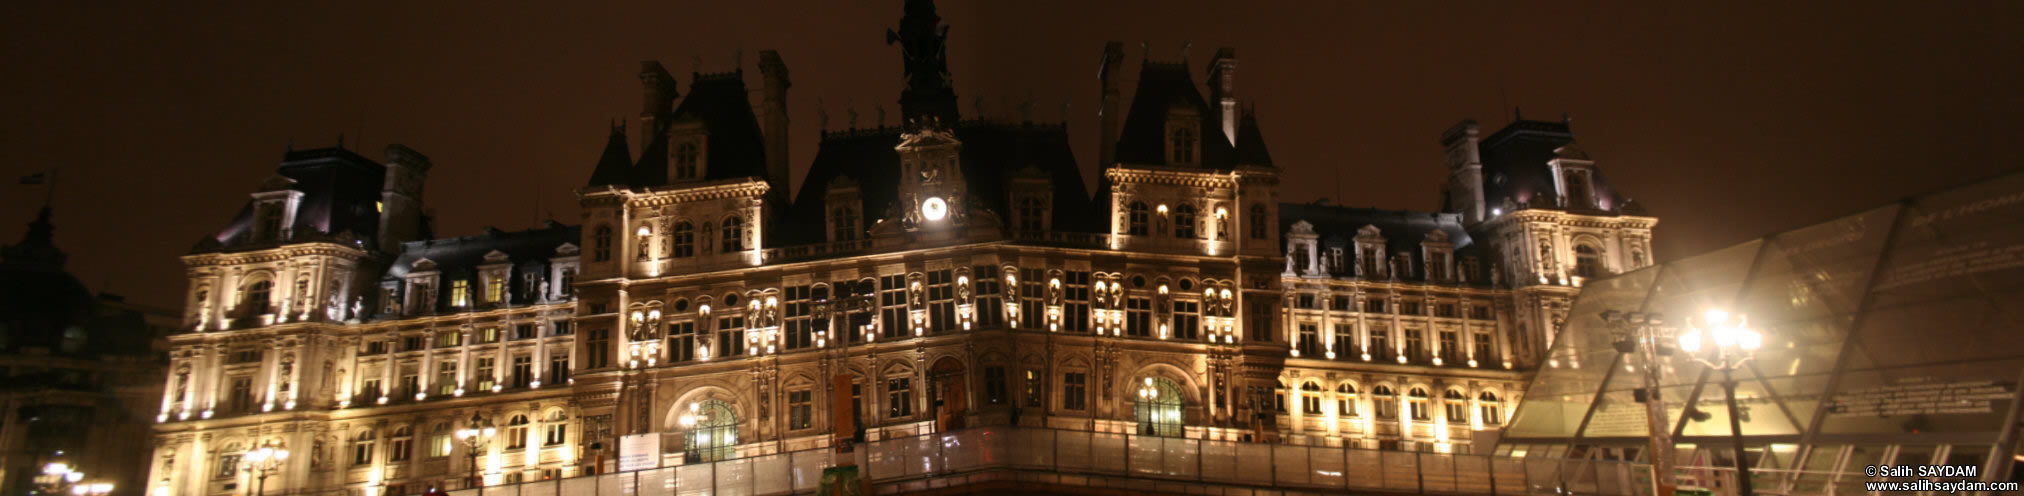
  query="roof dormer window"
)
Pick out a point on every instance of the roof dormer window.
point(687, 156)
point(1184, 145)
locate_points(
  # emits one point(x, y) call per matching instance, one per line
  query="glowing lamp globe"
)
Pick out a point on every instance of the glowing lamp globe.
point(934, 208)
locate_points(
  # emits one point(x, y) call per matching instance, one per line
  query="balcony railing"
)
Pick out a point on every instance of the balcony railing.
point(1027, 456)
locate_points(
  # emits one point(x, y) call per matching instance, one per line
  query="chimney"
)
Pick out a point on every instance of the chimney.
point(1465, 170)
point(1107, 109)
point(400, 203)
point(773, 120)
point(660, 100)
point(1223, 90)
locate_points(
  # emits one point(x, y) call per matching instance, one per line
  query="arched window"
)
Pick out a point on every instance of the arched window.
point(734, 234)
point(1416, 402)
point(1257, 221)
point(255, 297)
point(1310, 398)
point(1587, 262)
point(1491, 410)
point(682, 239)
point(1184, 221)
point(685, 161)
point(1457, 405)
point(1184, 145)
point(361, 447)
point(403, 441)
point(600, 242)
point(1345, 397)
point(516, 432)
point(1387, 402)
point(712, 431)
point(558, 428)
point(1159, 408)
point(228, 461)
point(439, 440)
point(1139, 218)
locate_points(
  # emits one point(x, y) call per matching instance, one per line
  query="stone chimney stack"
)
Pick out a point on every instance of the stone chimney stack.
point(773, 120)
point(1465, 171)
point(1108, 111)
point(400, 204)
point(660, 100)
point(1223, 90)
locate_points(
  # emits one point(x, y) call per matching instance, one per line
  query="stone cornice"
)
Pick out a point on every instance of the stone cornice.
point(275, 254)
point(1121, 175)
point(669, 195)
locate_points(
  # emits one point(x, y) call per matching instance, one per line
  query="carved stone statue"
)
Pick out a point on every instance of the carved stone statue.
point(1054, 293)
point(963, 292)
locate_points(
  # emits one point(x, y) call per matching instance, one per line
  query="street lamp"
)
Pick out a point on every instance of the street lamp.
point(93, 489)
point(263, 462)
point(58, 475)
point(474, 437)
point(1638, 332)
point(1725, 345)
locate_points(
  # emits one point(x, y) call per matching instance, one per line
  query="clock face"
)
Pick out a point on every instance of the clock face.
point(934, 208)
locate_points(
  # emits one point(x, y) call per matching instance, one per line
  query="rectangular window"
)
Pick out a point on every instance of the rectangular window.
point(399, 449)
point(1074, 391)
point(446, 378)
point(682, 341)
point(1483, 346)
point(568, 286)
point(558, 433)
point(942, 301)
point(994, 385)
point(1032, 299)
point(495, 289)
point(1458, 411)
point(800, 330)
point(1491, 413)
point(1345, 341)
point(361, 451)
point(1451, 347)
point(1345, 406)
point(731, 336)
point(1380, 343)
point(1446, 310)
point(1339, 303)
point(460, 293)
point(228, 466)
point(1075, 305)
point(523, 371)
point(411, 384)
point(488, 335)
point(598, 348)
point(1033, 396)
point(414, 342)
point(899, 398)
point(1415, 348)
point(1410, 308)
point(558, 368)
point(1138, 317)
point(523, 331)
point(1418, 409)
point(445, 339)
point(800, 409)
point(1310, 403)
point(1373, 305)
point(370, 389)
point(375, 347)
point(1306, 301)
point(562, 328)
point(1187, 319)
point(242, 394)
point(1260, 322)
point(1387, 407)
point(485, 378)
point(892, 301)
point(1310, 340)
point(990, 297)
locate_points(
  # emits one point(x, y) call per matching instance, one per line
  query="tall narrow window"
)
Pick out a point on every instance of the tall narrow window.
point(1184, 145)
point(257, 297)
point(685, 161)
point(361, 448)
point(1416, 403)
point(990, 299)
point(1075, 305)
point(682, 239)
point(734, 234)
point(495, 289)
point(1139, 217)
point(1032, 302)
point(1033, 383)
point(1387, 403)
point(899, 398)
point(1451, 347)
point(1491, 410)
point(994, 385)
point(446, 378)
point(484, 375)
point(1345, 397)
point(846, 223)
point(600, 242)
point(1184, 221)
point(1138, 317)
point(1587, 262)
point(460, 293)
point(523, 371)
point(1187, 319)
point(402, 444)
point(1260, 322)
point(1484, 344)
point(941, 301)
point(242, 394)
point(800, 332)
point(731, 336)
point(682, 341)
point(892, 296)
point(1380, 342)
point(1310, 340)
point(1031, 214)
point(270, 221)
point(568, 282)
point(1074, 391)
point(1457, 406)
point(516, 432)
point(558, 367)
point(1345, 340)
point(1415, 347)
point(558, 429)
point(439, 440)
point(1257, 222)
point(1310, 398)
point(597, 347)
point(800, 409)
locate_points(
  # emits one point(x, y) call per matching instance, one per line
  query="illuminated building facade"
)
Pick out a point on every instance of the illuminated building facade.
point(958, 272)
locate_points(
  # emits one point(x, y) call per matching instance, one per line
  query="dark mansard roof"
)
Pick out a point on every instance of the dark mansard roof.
point(1403, 231)
point(1515, 164)
point(1163, 87)
point(340, 190)
point(461, 257)
point(718, 103)
point(992, 154)
point(44, 306)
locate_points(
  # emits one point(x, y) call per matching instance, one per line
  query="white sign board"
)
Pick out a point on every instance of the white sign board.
point(639, 452)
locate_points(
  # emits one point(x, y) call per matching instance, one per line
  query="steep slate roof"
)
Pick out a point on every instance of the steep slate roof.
point(614, 167)
point(339, 192)
point(736, 148)
point(1251, 142)
point(1514, 163)
point(1161, 87)
point(992, 153)
point(1403, 231)
point(460, 258)
point(41, 302)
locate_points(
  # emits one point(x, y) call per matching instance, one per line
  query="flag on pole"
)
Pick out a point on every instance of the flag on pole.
point(36, 178)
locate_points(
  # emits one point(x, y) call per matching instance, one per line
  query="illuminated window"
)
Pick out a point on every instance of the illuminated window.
point(1416, 403)
point(485, 377)
point(1345, 397)
point(495, 289)
point(439, 440)
point(1487, 405)
point(460, 293)
point(1386, 401)
point(1458, 406)
point(1159, 409)
point(446, 377)
point(516, 432)
point(1310, 398)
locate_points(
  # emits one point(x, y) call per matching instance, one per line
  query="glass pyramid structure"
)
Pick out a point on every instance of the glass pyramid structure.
point(1894, 335)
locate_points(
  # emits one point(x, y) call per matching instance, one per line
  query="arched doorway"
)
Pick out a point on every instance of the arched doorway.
point(711, 431)
point(1159, 408)
point(946, 394)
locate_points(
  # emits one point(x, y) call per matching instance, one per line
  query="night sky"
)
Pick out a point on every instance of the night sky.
point(1729, 121)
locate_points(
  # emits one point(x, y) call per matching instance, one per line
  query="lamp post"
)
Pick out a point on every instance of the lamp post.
point(474, 437)
point(1733, 344)
point(1637, 332)
point(262, 462)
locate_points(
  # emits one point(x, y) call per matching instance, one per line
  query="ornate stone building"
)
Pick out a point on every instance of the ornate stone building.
point(955, 272)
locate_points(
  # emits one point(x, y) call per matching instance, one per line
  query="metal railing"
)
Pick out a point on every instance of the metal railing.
point(1079, 458)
